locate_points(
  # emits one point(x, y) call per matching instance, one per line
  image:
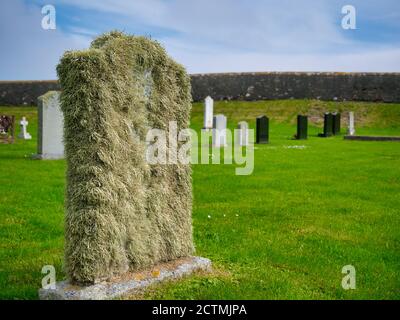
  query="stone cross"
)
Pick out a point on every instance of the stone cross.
point(351, 130)
point(208, 113)
point(24, 134)
point(242, 138)
point(219, 131)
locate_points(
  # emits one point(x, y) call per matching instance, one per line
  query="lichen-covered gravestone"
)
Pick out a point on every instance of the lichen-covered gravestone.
point(122, 214)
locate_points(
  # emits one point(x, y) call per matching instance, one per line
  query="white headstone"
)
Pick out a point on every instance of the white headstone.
point(208, 113)
point(50, 127)
point(242, 138)
point(24, 133)
point(351, 130)
point(219, 131)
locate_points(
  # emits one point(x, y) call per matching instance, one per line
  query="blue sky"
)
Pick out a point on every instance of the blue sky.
point(208, 35)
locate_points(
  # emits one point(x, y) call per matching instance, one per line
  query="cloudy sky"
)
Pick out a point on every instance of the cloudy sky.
point(208, 35)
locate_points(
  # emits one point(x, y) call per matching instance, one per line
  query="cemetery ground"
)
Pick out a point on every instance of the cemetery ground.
point(284, 232)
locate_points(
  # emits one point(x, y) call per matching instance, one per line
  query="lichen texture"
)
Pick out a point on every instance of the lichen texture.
point(121, 212)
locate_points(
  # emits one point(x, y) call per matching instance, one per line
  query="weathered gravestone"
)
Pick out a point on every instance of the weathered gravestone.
point(50, 127)
point(328, 125)
point(262, 130)
point(219, 131)
point(7, 129)
point(23, 130)
point(123, 214)
point(302, 127)
point(351, 128)
point(336, 123)
point(208, 113)
point(242, 138)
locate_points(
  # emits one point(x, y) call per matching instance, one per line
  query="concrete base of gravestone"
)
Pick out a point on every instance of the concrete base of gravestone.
point(372, 138)
point(129, 283)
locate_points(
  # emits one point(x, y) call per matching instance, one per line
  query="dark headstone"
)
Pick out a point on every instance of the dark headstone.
point(7, 128)
point(336, 123)
point(328, 125)
point(302, 127)
point(262, 130)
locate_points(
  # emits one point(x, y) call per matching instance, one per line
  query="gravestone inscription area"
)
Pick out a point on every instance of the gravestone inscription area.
point(123, 215)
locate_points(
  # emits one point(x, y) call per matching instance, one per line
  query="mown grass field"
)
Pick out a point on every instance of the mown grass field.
point(284, 232)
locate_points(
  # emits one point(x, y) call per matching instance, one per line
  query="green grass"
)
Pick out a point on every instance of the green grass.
point(284, 232)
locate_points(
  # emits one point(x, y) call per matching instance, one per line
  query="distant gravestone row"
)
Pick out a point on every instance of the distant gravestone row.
point(218, 123)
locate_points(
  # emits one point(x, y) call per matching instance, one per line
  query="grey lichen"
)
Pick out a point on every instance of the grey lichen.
point(121, 212)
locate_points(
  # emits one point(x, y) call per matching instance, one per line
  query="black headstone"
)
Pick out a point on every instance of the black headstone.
point(302, 126)
point(328, 125)
point(336, 123)
point(262, 129)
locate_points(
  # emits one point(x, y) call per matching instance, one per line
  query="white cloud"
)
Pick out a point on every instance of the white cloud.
point(207, 35)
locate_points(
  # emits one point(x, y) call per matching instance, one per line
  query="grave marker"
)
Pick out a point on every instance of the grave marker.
point(7, 128)
point(242, 138)
point(302, 127)
point(219, 131)
point(122, 213)
point(262, 130)
point(208, 113)
point(336, 123)
point(328, 125)
point(50, 127)
point(23, 127)
point(351, 129)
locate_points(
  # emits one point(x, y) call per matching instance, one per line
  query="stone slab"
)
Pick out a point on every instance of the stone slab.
point(372, 138)
point(129, 284)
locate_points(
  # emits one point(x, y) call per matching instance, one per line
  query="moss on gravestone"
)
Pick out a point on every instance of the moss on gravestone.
point(121, 212)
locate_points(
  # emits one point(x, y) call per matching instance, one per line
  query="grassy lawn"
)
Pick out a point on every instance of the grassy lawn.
point(284, 232)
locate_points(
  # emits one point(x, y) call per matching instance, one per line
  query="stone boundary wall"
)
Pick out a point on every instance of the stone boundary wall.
point(18, 93)
point(300, 85)
point(327, 86)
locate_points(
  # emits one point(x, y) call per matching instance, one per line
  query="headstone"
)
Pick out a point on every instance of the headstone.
point(7, 125)
point(23, 131)
point(351, 130)
point(208, 113)
point(302, 127)
point(50, 127)
point(219, 131)
point(262, 130)
point(123, 213)
point(242, 138)
point(336, 123)
point(328, 125)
